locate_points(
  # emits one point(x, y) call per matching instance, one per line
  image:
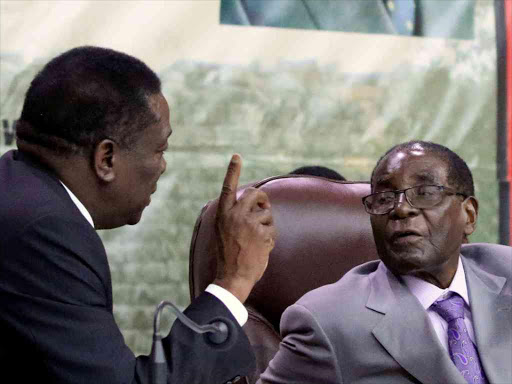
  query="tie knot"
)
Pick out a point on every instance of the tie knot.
point(450, 308)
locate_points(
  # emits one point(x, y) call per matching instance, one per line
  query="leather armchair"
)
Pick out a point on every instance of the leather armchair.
point(323, 231)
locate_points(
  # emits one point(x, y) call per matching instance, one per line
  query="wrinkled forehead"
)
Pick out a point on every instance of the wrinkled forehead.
point(409, 167)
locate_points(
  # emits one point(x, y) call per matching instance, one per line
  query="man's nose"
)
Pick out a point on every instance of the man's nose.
point(164, 166)
point(402, 207)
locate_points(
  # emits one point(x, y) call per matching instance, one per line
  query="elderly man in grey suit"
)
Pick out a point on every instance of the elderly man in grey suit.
point(430, 311)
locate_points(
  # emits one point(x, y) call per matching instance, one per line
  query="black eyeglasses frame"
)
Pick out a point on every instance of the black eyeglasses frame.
point(447, 190)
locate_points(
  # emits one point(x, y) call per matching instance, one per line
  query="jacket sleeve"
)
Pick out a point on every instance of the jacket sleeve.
point(55, 296)
point(306, 355)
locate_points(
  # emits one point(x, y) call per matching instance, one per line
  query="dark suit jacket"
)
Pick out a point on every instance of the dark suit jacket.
point(369, 328)
point(56, 321)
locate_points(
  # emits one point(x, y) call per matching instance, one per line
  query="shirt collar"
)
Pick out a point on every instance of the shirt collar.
point(428, 293)
point(79, 205)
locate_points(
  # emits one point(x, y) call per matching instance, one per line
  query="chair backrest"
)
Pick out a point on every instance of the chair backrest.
point(323, 231)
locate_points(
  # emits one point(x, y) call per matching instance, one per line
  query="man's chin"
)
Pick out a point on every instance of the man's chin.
point(403, 260)
point(134, 220)
point(120, 220)
point(119, 223)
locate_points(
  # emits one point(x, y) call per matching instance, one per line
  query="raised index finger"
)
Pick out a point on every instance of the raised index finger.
point(228, 194)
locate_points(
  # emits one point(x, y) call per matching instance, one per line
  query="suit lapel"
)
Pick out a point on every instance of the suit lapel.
point(491, 310)
point(406, 333)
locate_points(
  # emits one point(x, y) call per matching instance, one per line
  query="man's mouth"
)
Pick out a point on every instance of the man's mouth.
point(404, 236)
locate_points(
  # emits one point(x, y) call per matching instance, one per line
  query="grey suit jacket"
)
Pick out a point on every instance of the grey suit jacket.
point(434, 18)
point(369, 328)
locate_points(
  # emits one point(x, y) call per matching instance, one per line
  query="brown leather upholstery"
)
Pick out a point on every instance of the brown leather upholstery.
point(323, 231)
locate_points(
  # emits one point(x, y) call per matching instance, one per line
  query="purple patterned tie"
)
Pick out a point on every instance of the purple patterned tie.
point(462, 350)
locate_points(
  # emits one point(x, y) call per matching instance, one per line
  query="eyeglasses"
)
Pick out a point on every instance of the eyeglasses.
point(421, 196)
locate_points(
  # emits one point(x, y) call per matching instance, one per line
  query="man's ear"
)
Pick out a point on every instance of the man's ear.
point(470, 206)
point(104, 159)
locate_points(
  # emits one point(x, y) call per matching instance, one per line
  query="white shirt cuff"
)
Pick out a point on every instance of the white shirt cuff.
point(234, 305)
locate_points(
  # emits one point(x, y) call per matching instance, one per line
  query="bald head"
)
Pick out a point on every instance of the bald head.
point(459, 174)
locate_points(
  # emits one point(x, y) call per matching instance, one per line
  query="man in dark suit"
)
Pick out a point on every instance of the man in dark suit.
point(91, 142)
point(430, 311)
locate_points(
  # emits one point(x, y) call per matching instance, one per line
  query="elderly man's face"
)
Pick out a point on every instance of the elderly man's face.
point(421, 242)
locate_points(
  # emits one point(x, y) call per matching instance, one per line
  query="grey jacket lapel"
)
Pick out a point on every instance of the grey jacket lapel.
point(406, 333)
point(491, 310)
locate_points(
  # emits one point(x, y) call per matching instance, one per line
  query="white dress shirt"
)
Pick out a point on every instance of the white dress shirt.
point(230, 301)
point(428, 293)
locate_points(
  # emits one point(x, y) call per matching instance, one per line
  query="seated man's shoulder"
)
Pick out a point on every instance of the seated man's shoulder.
point(339, 308)
point(28, 192)
point(492, 258)
point(349, 293)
